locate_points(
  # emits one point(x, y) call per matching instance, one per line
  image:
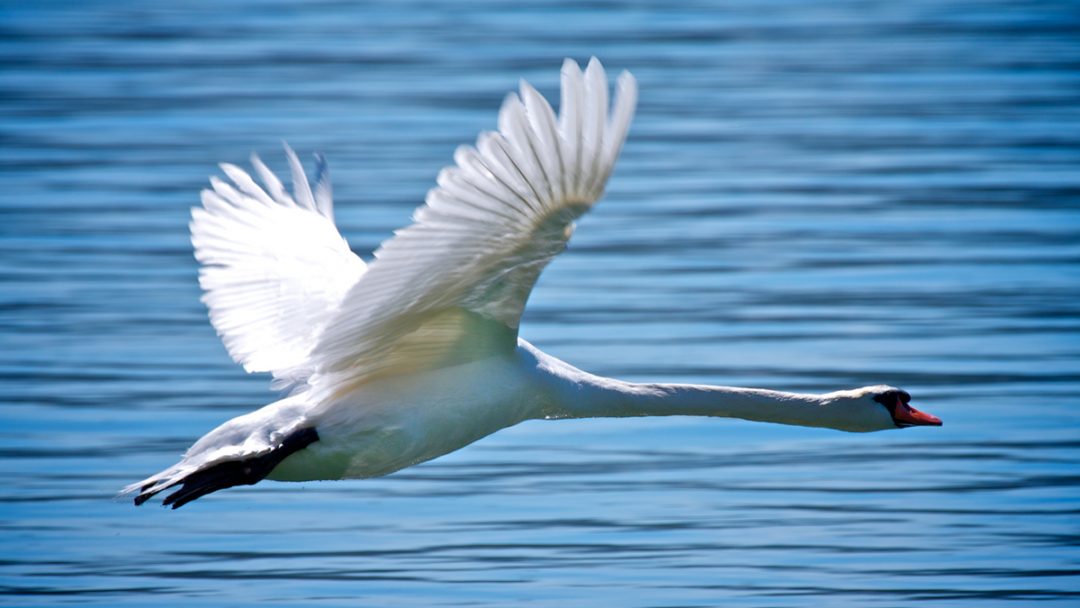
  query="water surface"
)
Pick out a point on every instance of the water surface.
point(814, 196)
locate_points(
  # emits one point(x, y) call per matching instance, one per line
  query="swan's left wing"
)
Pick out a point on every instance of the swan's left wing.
point(452, 286)
point(273, 264)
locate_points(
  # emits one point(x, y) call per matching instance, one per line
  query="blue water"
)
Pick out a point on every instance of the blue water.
point(815, 195)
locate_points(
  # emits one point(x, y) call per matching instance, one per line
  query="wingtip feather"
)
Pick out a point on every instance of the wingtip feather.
point(323, 192)
point(301, 187)
point(270, 181)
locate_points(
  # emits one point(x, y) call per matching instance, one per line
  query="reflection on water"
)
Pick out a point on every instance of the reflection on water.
point(814, 196)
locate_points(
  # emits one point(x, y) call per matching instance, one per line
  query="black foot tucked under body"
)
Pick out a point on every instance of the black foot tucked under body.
point(232, 473)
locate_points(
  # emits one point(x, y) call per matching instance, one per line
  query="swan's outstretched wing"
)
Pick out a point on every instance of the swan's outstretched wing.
point(274, 267)
point(452, 286)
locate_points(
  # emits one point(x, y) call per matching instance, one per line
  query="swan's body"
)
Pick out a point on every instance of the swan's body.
point(417, 355)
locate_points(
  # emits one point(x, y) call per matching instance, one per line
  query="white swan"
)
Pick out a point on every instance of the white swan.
point(417, 354)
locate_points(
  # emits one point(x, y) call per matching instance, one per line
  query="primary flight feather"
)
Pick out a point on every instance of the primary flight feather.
point(417, 354)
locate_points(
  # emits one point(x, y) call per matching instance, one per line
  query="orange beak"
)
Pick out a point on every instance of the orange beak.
point(905, 416)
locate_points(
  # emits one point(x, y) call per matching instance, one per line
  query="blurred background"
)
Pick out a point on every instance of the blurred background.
point(814, 196)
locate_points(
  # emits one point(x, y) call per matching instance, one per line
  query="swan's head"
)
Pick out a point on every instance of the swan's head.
point(878, 408)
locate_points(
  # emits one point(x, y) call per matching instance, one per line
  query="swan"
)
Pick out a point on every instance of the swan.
point(416, 354)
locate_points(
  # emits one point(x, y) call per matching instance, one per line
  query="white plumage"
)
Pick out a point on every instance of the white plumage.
point(417, 354)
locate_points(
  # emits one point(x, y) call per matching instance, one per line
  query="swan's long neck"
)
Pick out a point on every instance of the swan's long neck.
point(578, 394)
point(605, 397)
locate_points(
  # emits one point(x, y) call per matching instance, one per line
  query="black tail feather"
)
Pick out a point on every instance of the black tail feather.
point(231, 473)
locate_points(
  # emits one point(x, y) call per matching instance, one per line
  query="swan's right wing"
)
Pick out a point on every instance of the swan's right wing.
point(452, 286)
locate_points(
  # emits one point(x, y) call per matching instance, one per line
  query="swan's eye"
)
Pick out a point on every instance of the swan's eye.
point(892, 400)
point(897, 403)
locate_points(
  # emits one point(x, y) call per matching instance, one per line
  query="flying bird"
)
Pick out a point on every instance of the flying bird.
point(417, 354)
